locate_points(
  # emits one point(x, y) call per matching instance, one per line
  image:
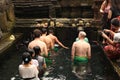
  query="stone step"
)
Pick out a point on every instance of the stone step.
point(31, 3)
point(4, 35)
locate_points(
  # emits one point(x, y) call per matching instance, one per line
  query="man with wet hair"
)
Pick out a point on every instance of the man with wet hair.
point(46, 39)
point(37, 42)
point(55, 39)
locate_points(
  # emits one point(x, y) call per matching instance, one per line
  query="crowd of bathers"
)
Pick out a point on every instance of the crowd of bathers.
point(36, 58)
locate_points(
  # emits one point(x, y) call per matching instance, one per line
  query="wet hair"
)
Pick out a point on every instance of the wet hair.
point(31, 51)
point(115, 22)
point(51, 30)
point(26, 57)
point(44, 30)
point(36, 33)
point(37, 50)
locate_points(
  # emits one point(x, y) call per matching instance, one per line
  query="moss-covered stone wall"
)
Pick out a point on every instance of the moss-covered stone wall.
point(7, 17)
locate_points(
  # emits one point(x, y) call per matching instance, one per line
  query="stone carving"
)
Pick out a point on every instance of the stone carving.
point(6, 15)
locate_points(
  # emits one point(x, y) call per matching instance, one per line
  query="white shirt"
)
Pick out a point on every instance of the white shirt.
point(28, 72)
point(116, 37)
point(35, 62)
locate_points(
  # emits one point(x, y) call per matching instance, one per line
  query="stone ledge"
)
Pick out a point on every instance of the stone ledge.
point(6, 42)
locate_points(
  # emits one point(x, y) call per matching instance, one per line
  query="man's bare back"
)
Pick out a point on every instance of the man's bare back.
point(37, 42)
point(81, 48)
point(48, 41)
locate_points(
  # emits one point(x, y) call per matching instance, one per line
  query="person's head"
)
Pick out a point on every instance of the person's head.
point(82, 34)
point(115, 23)
point(32, 53)
point(37, 50)
point(50, 31)
point(36, 33)
point(44, 30)
point(26, 57)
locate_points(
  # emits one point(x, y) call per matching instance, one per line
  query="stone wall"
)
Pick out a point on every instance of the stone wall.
point(7, 17)
point(75, 3)
point(76, 8)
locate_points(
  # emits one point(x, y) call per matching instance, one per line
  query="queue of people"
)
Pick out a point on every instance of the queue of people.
point(38, 54)
point(34, 60)
point(43, 43)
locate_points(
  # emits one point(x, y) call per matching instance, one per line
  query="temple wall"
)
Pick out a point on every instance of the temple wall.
point(76, 8)
point(7, 18)
point(57, 8)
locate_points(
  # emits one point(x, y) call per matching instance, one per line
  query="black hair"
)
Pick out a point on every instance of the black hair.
point(37, 50)
point(115, 22)
point(51, 31)
point(36, 33)
point(31, 51)
point(44, 30)
point(26, 57)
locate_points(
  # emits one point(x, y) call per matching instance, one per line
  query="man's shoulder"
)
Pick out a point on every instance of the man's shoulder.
point(84, 42)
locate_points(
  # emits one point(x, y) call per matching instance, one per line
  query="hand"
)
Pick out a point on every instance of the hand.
point(106, 30)
point(101, 11)
point(66, 47)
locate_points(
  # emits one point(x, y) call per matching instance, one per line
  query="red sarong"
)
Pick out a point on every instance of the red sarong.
point(112, 51)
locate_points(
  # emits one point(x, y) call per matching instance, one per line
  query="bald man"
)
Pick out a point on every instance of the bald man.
point(81, 49)
point(81, 52)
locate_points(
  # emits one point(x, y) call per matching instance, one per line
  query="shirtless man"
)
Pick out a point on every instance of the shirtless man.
point(81, 48)
point(46, 39)
point(55, 39)
point(37, 42)
point(81, 52)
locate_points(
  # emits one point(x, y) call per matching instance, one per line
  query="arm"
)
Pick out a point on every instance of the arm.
point(109, 14)
point(73, 52)
point(89, 52)
point(56, 40)
point(102, 7)
point(45, 50)
point(107, 38)
point(109, 31)
point(51, 45)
